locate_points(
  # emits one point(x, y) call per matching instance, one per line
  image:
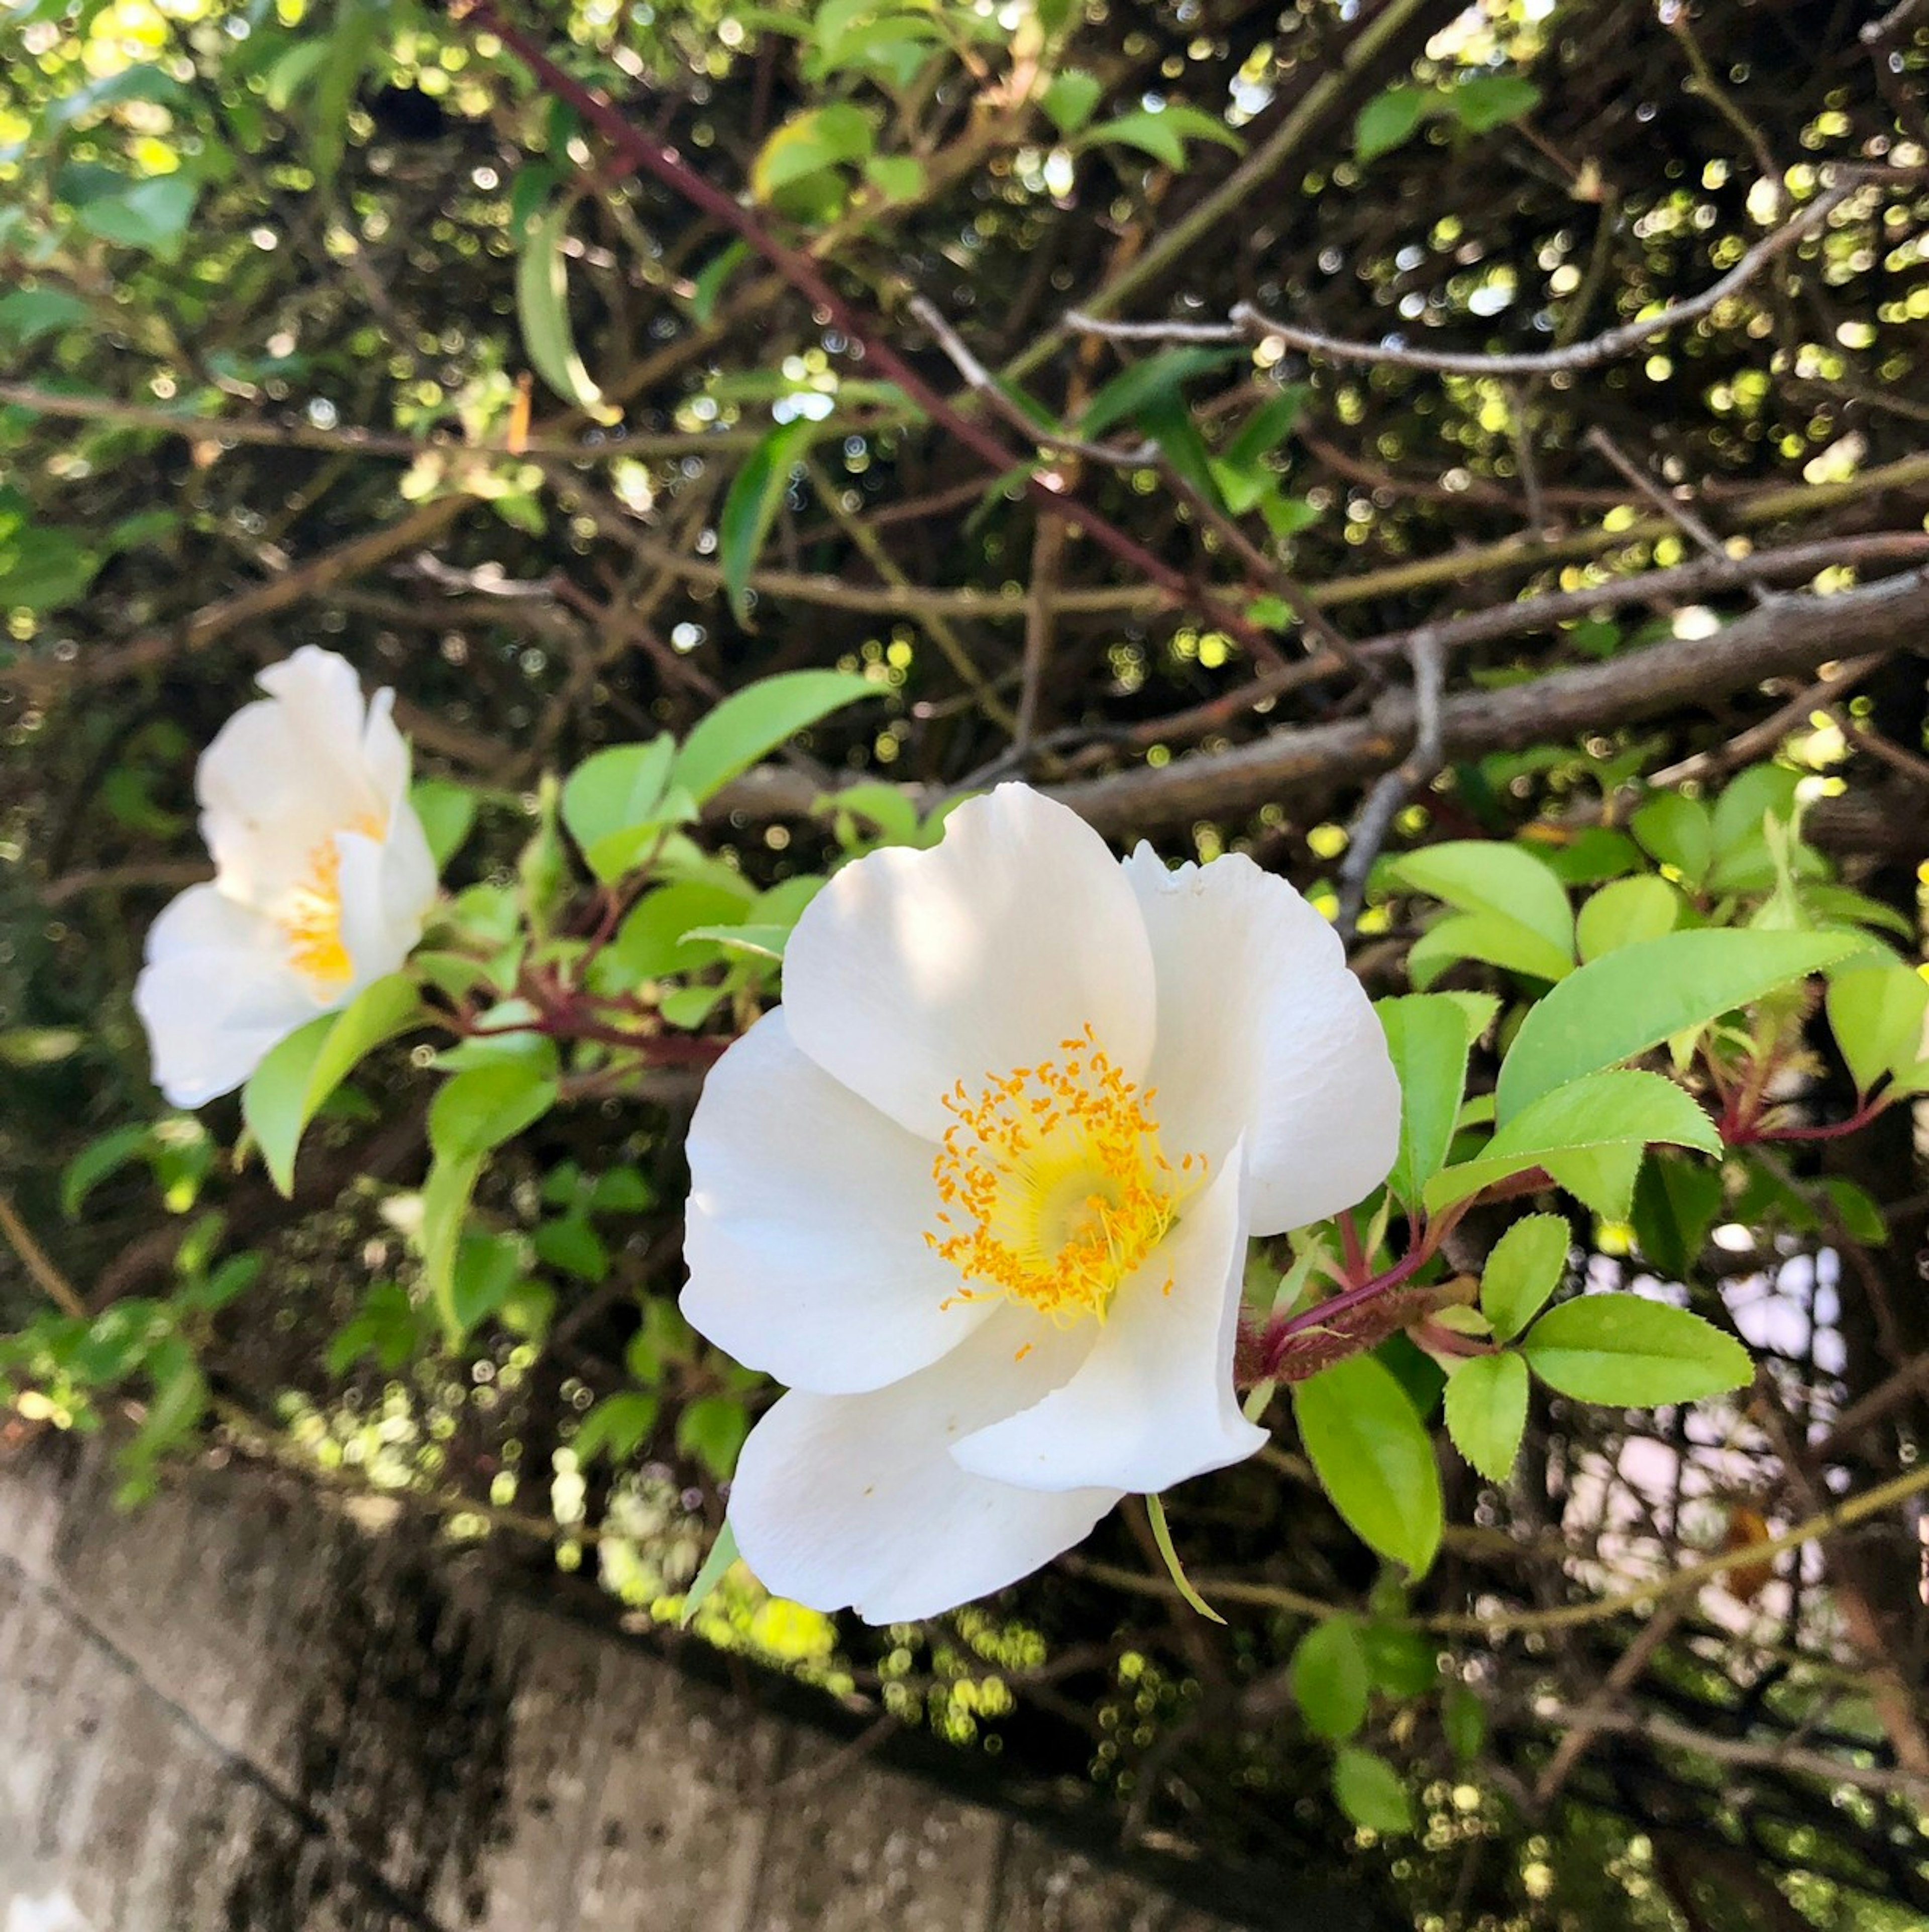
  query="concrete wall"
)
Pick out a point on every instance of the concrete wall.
point(235, 1710)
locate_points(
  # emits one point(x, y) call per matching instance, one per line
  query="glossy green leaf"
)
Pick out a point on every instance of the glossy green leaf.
point(748, 723)
point(28, 314)
point(285, 1092)
point(1627, 1109)
point(1501, 882)
point(42, 568)
point(756, 494)
point(1491, 938)
point(542, 309)
point(476, 1110)
point(1373, 1457)
point(1159, 375)
point(1632, 1353)
point(1678, 832)
point(706, 291)
point(1371, 1793)
point(1633, 999)
point(1490, 100)
point(1522, 1272)
point(1876, 1016)
point(1390, 120)
point(1486, 1411)
point(1328, 1673)
point(448, 813)
point(150, 215)
point(811, 140)
point(617, 1427)
point(617, 789)
point(1071, 98)
point(446, 1193)
point(1624, 912)
point(1429, 1039)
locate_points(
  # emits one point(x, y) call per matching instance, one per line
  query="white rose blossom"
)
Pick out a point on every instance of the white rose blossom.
point(323, 878)
point(979, 1191)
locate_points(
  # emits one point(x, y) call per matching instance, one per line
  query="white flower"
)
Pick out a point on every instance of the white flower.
point(323, 878)
point(979, 1191)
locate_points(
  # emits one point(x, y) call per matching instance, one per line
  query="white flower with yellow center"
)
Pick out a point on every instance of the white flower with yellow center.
point(323, 878)
point(980, 1192)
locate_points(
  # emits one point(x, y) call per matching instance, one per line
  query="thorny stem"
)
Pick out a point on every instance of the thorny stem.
point(804, 274)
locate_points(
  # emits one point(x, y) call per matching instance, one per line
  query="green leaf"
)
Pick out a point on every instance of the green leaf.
point(756, 494)
point(487, 1269)
point(616, 791)
point(1486, 1411)
point(1626, 1110)
point(1625, 912)
point(1501, 882)
point(761, 940)
point(1160, 132)
point(1132, 390)
point(1268, 426)
point(286, 1091)
point(446, 1193)
point(750, 722)
point(1522, 1272)
point(1674, 1205)
point(809, 142)
point(1632, 1353)
point(1370, 1792)
point(98, 1159)
point(1679, 833)
point(897, 177)
point(476, 1110)
point(1876, 1016)
point(1068, 101)
point(706, 291)
point(713, 1429)
point(1490, 100)
point(150, 215)
point(649, 944)
point(43, 569)
point(1463, 1718)
point(1373, 1457)
point(1389, 120)
point(1328, 1672)
point(28, 314)
point(723, 1555)
point(617, 1427)
point(447, 814)
point(1633, 999)
point(1491, 937)
point(1162, 1536)
point(542, 310)
point(1428, 1038)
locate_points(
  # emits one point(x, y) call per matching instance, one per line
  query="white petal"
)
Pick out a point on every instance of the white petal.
point(1264, 1031)
point(386, 886)
point(217, 993)
point(911, 970)
point(1154, 1403)
point(286, 773)
point(807, 1216)
point(384, 751)
point(853, 1499)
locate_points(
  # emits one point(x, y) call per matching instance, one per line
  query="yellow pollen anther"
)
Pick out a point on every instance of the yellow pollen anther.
point(1059, 1183)
point(311, 916)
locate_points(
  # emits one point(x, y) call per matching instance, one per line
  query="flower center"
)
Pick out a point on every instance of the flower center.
point(1053, 1184)
point(310, 916)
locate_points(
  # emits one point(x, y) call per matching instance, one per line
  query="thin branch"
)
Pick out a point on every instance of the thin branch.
point(1369, 831)
point(38, 1263)
point(1247, 323)
point(1676, 512)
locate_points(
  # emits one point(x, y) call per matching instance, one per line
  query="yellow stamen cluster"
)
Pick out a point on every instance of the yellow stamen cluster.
point(311, 916)
point(1053, 1186)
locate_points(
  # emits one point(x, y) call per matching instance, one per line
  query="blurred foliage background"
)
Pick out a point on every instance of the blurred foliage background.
point(338, 323)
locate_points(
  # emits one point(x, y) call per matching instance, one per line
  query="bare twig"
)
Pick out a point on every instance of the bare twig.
point(38, 1263)
point(1670, 506)
point(1245, 323)
point(1370, 828)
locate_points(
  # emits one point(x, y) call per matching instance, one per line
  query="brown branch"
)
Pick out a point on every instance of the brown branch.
point(1245, 323)
point(1792, 636)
